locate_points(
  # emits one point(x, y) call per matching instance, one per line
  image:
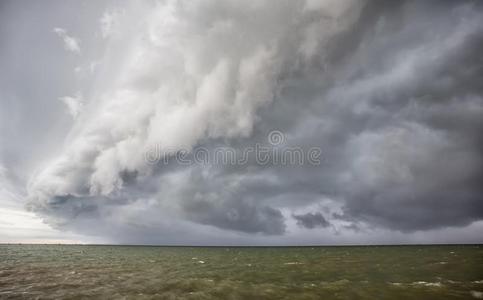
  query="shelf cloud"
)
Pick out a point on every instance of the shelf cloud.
point(389, 93)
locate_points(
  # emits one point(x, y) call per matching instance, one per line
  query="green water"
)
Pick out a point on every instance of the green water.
point(124, 272)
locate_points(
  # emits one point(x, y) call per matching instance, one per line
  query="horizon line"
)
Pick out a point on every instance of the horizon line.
point(245, 246)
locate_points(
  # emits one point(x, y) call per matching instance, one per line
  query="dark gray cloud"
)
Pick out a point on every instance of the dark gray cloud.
point(242, 217)
point(311, 220)
point(398, 121)
point(390, 92)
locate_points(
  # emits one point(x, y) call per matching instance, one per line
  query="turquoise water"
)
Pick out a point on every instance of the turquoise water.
point(132, 272)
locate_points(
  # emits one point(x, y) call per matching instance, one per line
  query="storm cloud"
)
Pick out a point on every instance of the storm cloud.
point(391, 94)
point(311, 220)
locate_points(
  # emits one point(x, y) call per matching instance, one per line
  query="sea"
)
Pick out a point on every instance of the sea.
point(152, 272)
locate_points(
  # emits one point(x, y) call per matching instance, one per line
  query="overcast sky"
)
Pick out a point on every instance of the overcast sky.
point(391, 92)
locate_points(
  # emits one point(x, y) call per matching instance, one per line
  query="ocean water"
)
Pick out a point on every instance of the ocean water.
point(135, 272)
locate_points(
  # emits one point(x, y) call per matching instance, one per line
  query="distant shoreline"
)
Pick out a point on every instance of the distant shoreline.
point(240, 246)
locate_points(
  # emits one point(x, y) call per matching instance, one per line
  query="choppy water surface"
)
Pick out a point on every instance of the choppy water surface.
point(123, 272)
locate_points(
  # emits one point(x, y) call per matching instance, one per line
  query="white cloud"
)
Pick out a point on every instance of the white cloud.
point(176, 89)
point(70, 43)
point(187, 74)
point(110, 23)
point(74, 104)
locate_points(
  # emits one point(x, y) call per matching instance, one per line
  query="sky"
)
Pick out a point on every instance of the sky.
point(112, 114)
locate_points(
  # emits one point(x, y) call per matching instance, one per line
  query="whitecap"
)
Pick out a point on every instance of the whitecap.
point(429, 284)
point(335, 283)
point(477, 294)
